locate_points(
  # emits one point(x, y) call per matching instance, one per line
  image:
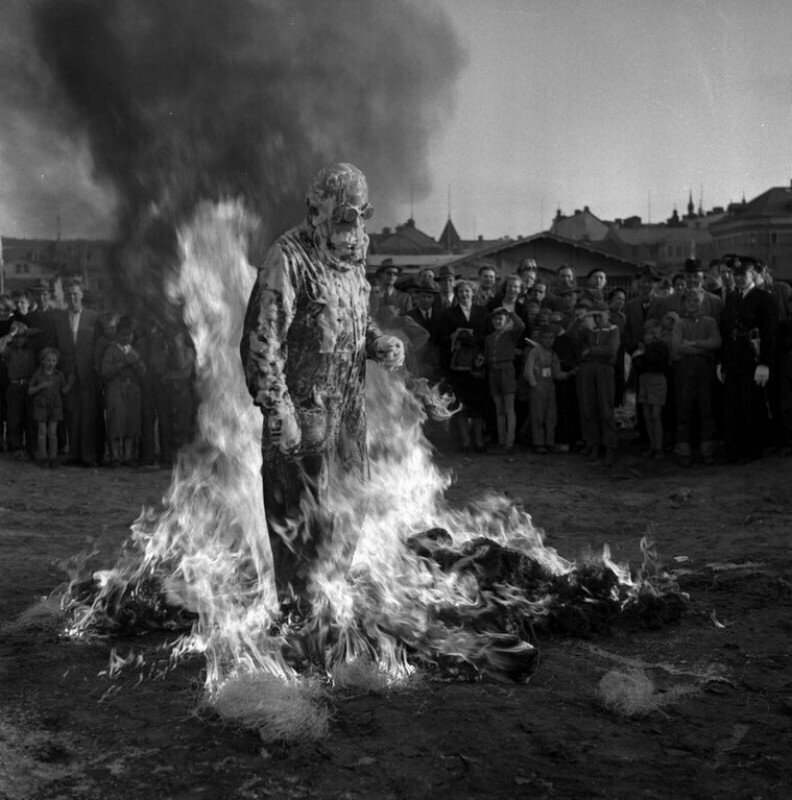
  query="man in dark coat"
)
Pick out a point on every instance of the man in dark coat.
point(75, 334)
point(306, 337)
point(748, 330)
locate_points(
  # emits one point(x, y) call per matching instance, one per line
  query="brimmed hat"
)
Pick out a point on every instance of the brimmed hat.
point(528, 263)
point(598, 307)
point(446, 272)
point(40, 286)
point(387, 263)
point(596, 269)
point(648, 271)
point(499, 310)
point(693, 265)
point(426, 286)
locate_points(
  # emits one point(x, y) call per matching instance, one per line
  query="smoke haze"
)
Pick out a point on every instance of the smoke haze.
point(136, 109)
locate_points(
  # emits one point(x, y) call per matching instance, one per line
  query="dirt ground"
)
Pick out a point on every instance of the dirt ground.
point(724, 674)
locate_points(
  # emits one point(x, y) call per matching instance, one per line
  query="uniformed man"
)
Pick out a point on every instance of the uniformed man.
point(748, 329)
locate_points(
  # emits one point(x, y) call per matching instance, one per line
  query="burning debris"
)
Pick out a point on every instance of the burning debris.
point(458, 592)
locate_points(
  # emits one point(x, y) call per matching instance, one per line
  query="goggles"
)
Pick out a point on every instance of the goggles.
point(350, 214)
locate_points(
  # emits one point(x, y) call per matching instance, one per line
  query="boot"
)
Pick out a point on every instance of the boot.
point(706, 453)
point(609, 456)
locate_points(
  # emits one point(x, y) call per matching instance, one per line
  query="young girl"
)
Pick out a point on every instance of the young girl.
point(651, 363)
point(47, 387)
point(122, 370)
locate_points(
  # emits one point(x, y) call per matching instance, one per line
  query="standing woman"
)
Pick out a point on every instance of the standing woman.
point(461, 335)
point(512, 298)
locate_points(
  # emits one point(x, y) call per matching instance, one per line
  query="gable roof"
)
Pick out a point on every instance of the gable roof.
point(552, 237)
point(404, 240)
point(449, 239)
point(772, 203)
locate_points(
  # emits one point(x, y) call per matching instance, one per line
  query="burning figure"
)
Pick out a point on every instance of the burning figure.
point(306, 338)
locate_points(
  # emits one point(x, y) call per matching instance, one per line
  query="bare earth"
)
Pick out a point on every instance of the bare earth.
point(64, 735)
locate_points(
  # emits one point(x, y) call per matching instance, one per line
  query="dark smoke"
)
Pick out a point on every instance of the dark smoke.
point(243, 98)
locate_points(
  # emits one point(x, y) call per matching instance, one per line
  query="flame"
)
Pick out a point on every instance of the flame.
point(208, 549)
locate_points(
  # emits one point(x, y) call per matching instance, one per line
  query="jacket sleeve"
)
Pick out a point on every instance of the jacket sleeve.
point(609, 347)
point(768, 323)
point(264, 345)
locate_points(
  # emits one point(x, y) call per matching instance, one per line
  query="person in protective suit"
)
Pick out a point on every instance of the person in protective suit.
point(307, 334)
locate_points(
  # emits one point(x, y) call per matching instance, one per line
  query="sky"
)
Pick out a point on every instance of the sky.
point(625, 106)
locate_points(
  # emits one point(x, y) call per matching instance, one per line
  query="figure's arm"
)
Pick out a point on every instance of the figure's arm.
point(530, 367)
point(609, 347)
point(264, 346)
point(384, 349)
point(712, 340)
point(518, 327)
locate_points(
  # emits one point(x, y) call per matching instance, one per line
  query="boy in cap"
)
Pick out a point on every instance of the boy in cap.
point(595, 384)
point(499, 352)
point(694, 343)
point(542, 370)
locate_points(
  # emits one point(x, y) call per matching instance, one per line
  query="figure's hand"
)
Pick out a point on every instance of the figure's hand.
point(720, 374)
point(761, 375)
point(389, 352)
point(284, 431)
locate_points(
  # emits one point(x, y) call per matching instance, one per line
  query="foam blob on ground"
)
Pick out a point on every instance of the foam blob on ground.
point(281, 709)
point(633, 693)
point(46, 616)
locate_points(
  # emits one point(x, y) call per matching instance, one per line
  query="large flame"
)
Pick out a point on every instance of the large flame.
point(208, 548)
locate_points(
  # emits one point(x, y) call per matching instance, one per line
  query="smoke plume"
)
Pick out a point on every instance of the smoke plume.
point(182, 101)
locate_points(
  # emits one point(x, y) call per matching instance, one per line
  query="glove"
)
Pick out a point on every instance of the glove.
point(389, 351)
point(719, 373)
point(284, 432)
point(761, 375)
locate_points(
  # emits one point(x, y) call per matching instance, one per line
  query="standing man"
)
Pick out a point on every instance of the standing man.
point(42, 318)
point(446, 279)
point(486, 286)
point(748, 330)
point(385, 300)
point(75, 333)
point(306, 337)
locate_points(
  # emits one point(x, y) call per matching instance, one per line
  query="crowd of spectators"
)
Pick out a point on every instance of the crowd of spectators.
point(555, 366)
point(551, 365)
point(82, 388)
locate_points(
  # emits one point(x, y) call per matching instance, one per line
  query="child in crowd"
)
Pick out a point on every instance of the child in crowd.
point(542, 369)
point(499, 353)
point(20, 361)
point(651, 360)
point(47, 387)
point(568, 413)
point(595, 383)
point(6, 307)
point(122, 370)
point(696, 339)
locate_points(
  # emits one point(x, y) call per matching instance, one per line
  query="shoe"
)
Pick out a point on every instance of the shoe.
point(540, 450)
point(659, 455)
point(593, 454)
point(648, 453)
point(609, 456)
point(561, 448)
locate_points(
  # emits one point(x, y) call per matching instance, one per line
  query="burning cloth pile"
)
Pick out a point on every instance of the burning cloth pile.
point(346, 552)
